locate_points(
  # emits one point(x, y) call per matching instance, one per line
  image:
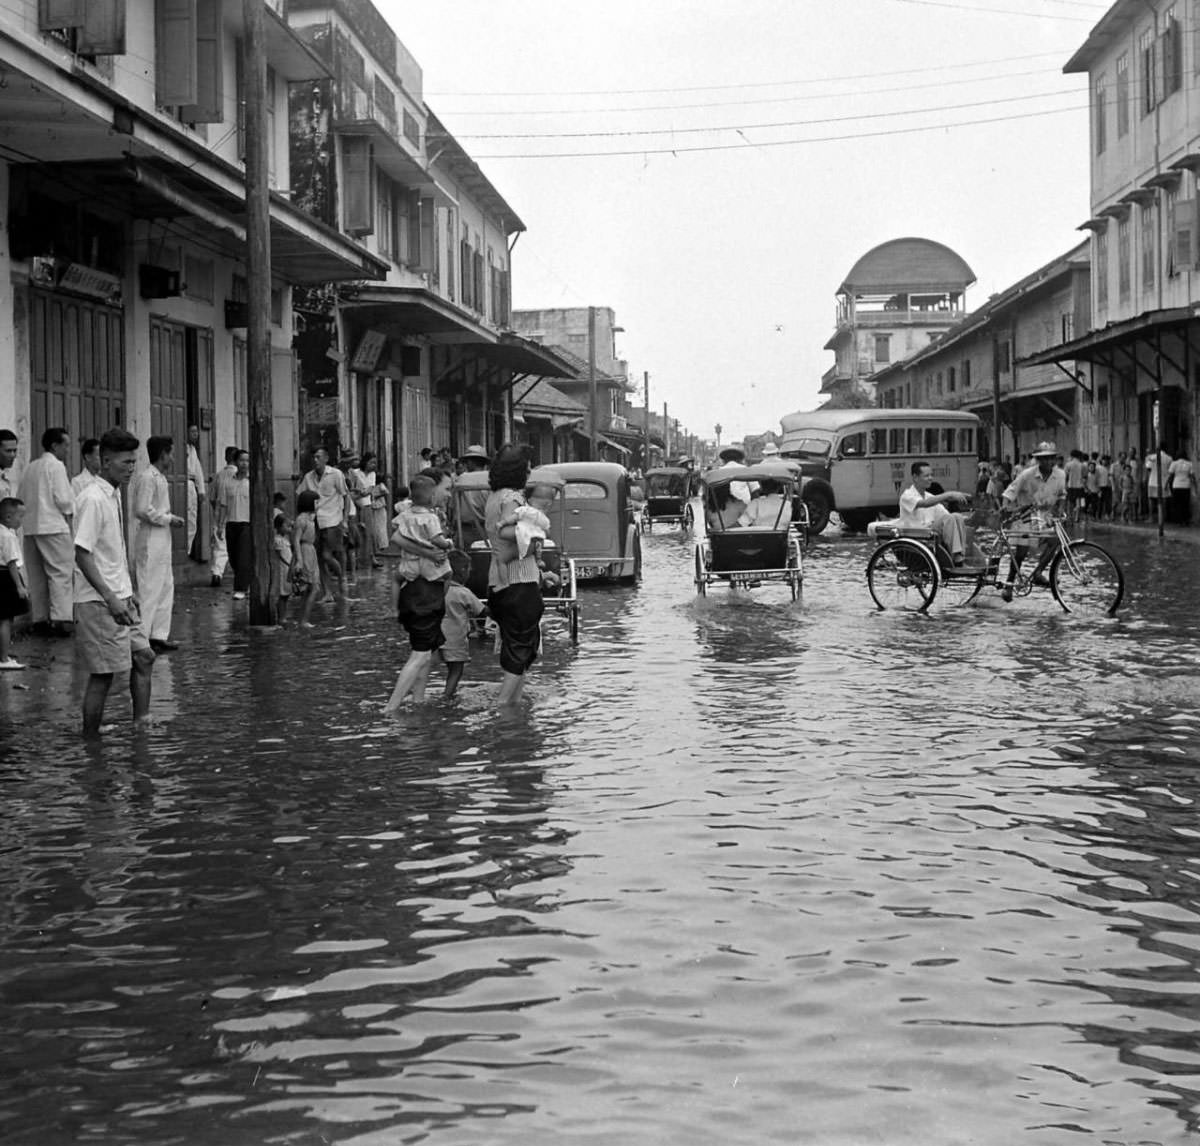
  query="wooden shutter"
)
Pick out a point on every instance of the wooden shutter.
point(414, 228)
point(504, 318)
point(208, 106)
point(54, 14)
point(175, 52)
point(477, 287)
point(464, 262)
point(1172, 58)
point(427, 255)
point(103, 31)
point(357, 214)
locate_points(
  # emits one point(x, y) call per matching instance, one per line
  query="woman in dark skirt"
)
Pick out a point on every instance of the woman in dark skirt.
point(514, 582)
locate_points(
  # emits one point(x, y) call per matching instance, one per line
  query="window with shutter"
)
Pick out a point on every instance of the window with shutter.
point(451, 227)
point(477, 287)
point(175, 52)
point(103, 31)
point(465, 276)
point(208, 106)
point(358, 213)
point(1146, 57)
point(414, 228)
point(54, 14)
point(1170, 204)
point(505, 317)
point(1172, 57)
point(427, 253)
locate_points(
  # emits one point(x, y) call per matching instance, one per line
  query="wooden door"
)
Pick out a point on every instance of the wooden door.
point(169, 410)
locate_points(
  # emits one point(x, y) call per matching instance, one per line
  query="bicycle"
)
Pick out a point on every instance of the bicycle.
point(911, 567)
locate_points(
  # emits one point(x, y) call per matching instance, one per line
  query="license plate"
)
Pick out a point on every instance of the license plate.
point(589, 570)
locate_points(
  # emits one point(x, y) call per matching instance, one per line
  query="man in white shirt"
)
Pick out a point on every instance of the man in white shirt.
point(921, 509)
point(10, 469)
point(334, 510)
point(108, 635)
point(49, 552)
point(220, 553)
point(195, 486)
point(152, 525)
point(734, 456)
point(90, 453)
point(1156, 464)
point(1180, 479)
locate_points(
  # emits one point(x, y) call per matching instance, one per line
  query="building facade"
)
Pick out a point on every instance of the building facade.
point(981, 364)
point(896, 299)
point(122, 275)
point(1140, 354)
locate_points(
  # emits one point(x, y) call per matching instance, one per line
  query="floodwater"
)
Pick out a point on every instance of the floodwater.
point(742, 872)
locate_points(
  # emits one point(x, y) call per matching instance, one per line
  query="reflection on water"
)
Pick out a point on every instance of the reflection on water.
point(747, 871)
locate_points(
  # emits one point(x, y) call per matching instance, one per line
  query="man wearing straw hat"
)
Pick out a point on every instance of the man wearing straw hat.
point(1043, 486)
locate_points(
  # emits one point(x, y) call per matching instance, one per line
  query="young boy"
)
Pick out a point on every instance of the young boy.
point(462, 607)
point(283, 563)
point(14, 592)
point(419, 588)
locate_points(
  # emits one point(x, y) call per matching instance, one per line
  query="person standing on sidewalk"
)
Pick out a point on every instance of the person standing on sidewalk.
point(109, 637)
point(220, 553)
point(10, 471)
point(1181, 481)
point(89, 454)
point(233, 523)
point(1157, 466)
point(334, 511)
point(195, 492)
point(152, 525)
point(49, 553)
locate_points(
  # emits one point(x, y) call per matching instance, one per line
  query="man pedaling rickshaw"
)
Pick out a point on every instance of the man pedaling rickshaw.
point(1042, 487)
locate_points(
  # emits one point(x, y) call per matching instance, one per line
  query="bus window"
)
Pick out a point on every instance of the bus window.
point(931, 441)
point(966, 440)
point(948, 440)
point(853, 445)
point(879, 441)
point(895, 442)
point(915, 438)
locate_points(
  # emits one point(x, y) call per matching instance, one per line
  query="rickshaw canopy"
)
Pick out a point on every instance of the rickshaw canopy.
point(787, 472)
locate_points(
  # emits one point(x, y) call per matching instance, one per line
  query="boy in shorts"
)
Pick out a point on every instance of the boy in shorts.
point(419, 588)
point(14, 591)
point(109, 637)
point(462, 607)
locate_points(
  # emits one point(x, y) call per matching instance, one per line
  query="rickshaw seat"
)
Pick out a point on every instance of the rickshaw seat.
point(887, 530)
point(749, 548)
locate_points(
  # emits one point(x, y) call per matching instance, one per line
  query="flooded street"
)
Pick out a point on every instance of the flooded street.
point(744, 872)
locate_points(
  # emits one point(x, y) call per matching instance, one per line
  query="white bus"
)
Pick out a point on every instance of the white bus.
point(857, 462)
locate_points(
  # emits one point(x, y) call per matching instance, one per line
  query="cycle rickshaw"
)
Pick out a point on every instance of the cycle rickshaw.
point(667, 491)
point(558, 570)
point(911, 567)
point(746, 556)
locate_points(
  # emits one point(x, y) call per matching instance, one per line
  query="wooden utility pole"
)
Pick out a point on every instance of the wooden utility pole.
point(263, 594)
point(646, 428)
point(996, 400)
point(595, 430)
point(666, 435)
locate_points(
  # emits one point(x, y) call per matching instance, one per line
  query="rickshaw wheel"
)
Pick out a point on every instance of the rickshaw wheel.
point(701, 574)
point(903, 574)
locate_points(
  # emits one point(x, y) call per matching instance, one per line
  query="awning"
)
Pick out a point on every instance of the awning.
point(401, 310)
point(1099, 345)
point(526, 357)
point(612, 445)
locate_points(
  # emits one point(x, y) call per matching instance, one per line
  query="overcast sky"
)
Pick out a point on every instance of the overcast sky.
point(723, 263)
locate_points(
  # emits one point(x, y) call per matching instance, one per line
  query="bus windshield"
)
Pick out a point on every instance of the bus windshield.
point(810, 447)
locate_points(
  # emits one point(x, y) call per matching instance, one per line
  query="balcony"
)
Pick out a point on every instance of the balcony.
point(397, 153)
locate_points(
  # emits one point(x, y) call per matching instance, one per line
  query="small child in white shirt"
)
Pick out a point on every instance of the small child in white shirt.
point(14, 591)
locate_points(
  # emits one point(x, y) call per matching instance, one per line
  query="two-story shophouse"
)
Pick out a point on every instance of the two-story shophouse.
point(1144, 78)
point(977, 365)
point(427, 356)
point(122, 274)
point(896, 299)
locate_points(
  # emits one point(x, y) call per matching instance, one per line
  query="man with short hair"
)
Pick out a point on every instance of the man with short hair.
point(49, 553)
point(333, 514)
point(10, 471)
point(921, 509)
point(152, 525)
point(220, 553)
point(471, 493)
point(233, 523)
point(90, 454)
point(108, 633)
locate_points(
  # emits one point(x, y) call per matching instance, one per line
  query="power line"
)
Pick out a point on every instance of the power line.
point(810, 97)
point(1001, 11)
point(643, 151)
point(756, 84)
point(767, 126)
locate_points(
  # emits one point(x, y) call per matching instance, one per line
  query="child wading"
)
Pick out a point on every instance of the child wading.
point(419, 588)
point(306, 570)
point(462, 606)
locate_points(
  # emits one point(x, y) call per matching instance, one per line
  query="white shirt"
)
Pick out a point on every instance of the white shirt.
point(195, 471)
point(1179, 474)
point(924, 517)
point(84, 477)
point(98, 530)
point(10, 480)
point(1152, 470)
point(151, 505)
point(771, 511)
point(46, 492)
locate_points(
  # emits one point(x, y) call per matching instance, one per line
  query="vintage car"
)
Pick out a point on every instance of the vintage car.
point(601, 530)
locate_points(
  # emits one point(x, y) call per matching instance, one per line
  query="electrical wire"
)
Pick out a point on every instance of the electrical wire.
point(767, 126)
point(643, 151)
point(1002, 11)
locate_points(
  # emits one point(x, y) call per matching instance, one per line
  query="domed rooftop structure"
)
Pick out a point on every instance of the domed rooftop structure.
point(906, 265)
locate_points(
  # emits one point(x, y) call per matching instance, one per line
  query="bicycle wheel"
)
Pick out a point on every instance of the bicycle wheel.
point(1086, 580)
point(902, 574)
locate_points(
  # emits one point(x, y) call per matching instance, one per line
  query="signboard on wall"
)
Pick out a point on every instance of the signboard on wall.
point(366, 355)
